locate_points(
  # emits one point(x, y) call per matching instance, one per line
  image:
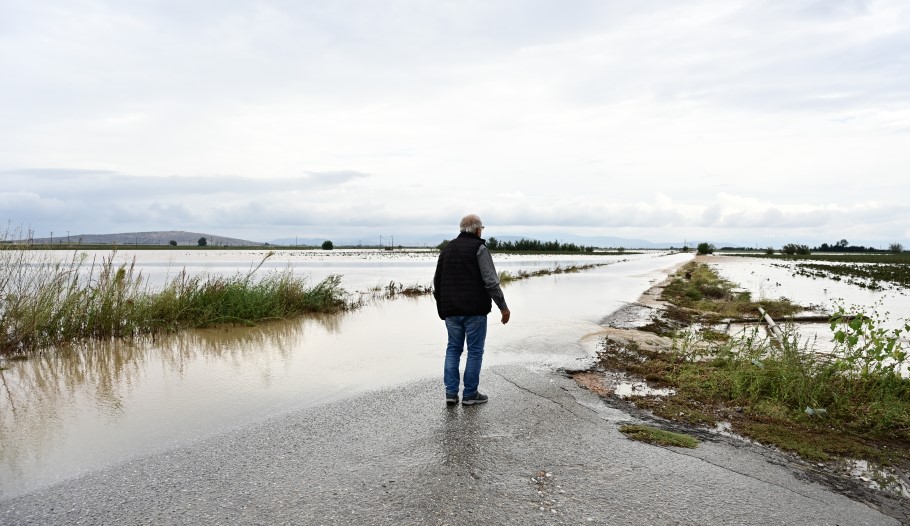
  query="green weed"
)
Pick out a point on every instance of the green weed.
point(661, 437)
point(44, 302)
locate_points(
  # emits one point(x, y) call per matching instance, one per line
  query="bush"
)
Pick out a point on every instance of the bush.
point(202, 242)
point(794, 249)
point(705, 248)
point(327, 245)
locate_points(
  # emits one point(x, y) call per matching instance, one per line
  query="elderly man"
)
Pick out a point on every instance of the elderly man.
point(464, 284)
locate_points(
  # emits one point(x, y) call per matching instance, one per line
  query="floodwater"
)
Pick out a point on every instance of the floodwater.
point(772, 279)
point(81, 408)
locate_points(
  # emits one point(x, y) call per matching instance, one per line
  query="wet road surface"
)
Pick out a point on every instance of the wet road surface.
point(543, 451)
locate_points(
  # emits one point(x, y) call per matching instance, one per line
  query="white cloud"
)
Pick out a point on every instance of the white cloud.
point(752, 119)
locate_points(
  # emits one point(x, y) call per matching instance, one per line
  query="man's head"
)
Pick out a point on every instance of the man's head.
point(471, 223)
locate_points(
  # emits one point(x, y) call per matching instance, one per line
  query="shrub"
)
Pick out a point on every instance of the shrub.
point(792, 249)
point(705, 248)
point(327, 245)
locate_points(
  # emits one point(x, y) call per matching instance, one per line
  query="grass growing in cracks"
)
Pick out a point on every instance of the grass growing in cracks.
point(661, 437)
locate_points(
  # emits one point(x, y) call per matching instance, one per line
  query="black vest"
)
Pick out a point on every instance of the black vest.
point(458, 285)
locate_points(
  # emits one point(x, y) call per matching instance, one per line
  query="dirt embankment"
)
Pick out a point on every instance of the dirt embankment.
point(636, 353)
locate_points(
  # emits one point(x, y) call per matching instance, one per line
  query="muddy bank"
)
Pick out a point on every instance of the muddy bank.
point(631, 338)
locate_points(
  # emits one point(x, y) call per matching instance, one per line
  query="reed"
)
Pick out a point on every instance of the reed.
point(44, 302)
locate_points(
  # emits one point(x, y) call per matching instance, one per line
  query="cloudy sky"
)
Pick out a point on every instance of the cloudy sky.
point(752, 122)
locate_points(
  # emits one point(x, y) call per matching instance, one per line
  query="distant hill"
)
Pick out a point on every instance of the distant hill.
point(149, 238)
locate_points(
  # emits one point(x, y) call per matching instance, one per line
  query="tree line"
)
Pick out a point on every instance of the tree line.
point(530, 245)
point(533, 245)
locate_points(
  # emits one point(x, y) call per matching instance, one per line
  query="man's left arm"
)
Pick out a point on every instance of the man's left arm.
point(491, 281)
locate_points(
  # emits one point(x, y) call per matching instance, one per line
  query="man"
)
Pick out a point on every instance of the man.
point(464, 284)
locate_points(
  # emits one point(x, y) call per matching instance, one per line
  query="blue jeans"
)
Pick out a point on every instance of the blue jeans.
point(472, 329)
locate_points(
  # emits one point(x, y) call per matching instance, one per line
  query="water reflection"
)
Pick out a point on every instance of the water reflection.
point(98, 403)
point(56, 399)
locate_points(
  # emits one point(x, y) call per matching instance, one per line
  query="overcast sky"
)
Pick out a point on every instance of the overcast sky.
point(753, 122)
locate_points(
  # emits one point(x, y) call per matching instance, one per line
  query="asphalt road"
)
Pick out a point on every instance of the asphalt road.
point(542, 451)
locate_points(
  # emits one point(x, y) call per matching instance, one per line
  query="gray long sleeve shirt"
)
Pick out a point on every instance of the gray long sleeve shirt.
point(490, 277)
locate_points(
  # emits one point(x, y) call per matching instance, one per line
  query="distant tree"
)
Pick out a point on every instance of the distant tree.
point(705, 248)
point(173, 243)
point(327, 245)
point(769, 251)
point(492, 243)
point(842, 243)
point(621, 250)
point(792, 248)
point(202, 242)
point(443, 244)
point(686, 248)
point(897, 248)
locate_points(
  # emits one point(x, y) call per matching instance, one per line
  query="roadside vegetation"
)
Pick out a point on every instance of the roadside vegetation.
point(853, 402)
point(698, 295)
point(507, 277)
point(44, 302)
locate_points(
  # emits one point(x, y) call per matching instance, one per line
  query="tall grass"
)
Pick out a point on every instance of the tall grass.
point(860, 386)
point(44, 302)
point(855, 387)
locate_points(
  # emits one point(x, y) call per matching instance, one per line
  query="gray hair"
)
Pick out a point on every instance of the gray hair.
point(470, 223)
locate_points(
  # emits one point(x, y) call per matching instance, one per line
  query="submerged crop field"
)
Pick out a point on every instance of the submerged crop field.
point(872, 271)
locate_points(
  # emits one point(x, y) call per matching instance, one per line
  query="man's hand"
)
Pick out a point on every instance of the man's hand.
point(505, 315)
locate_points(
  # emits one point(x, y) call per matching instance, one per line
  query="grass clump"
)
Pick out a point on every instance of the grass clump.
point(698, 291)
point(507, 277)
point(46, 302)
point(661, 437)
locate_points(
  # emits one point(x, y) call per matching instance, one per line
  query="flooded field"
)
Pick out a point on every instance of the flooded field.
point(767, 278)
point(75, 409)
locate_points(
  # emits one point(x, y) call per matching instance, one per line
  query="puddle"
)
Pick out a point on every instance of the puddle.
point(84, 407)
point(878, 478)
point(613, 383)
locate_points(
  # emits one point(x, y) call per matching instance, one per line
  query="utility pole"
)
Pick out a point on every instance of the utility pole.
point(52, 237)
point(67, 237)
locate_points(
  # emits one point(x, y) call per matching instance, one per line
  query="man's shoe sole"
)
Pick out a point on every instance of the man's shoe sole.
point(473, 402)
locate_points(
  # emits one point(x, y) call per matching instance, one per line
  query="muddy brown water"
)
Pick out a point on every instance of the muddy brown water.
point(76, 409)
